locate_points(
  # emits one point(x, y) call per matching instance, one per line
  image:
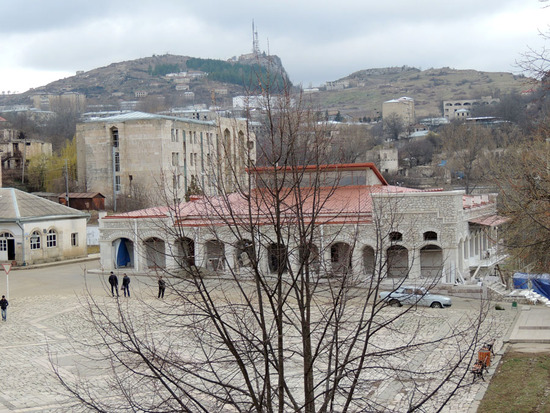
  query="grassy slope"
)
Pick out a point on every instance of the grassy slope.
point(521, 384)
point(429, 88)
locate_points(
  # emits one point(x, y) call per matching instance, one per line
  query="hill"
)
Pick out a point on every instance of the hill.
point(359, 95)
point(148, 77)
point(364, 91)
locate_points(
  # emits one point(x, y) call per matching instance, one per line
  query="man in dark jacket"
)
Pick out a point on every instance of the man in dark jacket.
point(113, 280)
point(162, 287)
point(4, 306)
point(126, 285)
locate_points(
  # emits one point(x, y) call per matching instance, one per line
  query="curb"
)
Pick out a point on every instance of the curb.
point(91, 257)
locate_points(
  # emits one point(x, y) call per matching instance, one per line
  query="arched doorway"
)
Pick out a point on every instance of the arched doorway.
point(245, 253)
point(278, 258)
point(368, 261)
point(185, 252)
point(431, 261)
point(215, 255)
point(340, 257)
point(123, 253)
point(398, 261)
point(155, 256)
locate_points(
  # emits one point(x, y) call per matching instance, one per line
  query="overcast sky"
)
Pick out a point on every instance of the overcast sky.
point(42, 41)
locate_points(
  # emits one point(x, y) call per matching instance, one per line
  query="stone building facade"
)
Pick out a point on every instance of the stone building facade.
point(461, 108)
point(402, 107)
point(366, 225)
point(134, 153)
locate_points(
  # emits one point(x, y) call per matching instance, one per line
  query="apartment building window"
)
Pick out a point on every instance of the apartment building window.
point(74, 239)
point(175, 158)
point(117, 162)
point(51, 239)
point(191, 159)
point(117, 183)
point(196, 156)
point(174, 135)
point(35, 240)
point(114, 137)
point(176, 182)
point(194, 137)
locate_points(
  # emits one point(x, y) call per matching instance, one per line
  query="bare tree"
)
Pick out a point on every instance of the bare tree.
point(393, 127)
point(522, 175)
point(293, 320)
point(468, 148)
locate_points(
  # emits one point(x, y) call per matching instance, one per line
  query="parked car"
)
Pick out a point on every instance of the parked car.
point(415, 296)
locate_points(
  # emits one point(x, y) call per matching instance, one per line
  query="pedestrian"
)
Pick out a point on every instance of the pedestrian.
point(162, 287)
point(113, 280)
point(126, 285)
point(4, 307)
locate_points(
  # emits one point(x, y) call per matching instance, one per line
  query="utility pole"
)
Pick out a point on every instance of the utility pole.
point(114, 179)
point(66, 182)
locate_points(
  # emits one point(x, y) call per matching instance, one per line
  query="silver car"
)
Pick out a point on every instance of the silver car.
point(415, 296)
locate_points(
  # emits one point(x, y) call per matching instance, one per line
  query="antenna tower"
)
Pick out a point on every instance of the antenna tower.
point(255, 42)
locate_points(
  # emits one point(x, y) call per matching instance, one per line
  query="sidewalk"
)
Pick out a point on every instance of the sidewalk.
point(90, 257)
point(532, 326)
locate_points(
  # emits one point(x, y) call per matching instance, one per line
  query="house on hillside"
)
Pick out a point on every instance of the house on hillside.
point(127, 155)
point(35, 230)
point(441, 235)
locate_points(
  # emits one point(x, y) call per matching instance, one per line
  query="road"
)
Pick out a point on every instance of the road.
point(44, 315)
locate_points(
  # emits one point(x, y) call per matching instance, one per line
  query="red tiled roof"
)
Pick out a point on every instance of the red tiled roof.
point(489, 220)
point(334, 205)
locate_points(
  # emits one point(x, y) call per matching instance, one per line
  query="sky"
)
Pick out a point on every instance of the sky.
point(317, 41)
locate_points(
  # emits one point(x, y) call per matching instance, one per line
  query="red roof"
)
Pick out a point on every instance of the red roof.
point(334, 205)
point(324, 168)
point(489, 220)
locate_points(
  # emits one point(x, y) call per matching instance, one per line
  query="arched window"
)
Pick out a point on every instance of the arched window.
point(430, 236)
point(396, 236)
point(51, 239)
point(36, 240)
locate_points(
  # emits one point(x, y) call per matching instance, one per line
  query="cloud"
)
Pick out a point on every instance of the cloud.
point(316, 40)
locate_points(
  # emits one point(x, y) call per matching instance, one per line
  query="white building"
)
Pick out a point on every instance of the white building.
point(442, 235)
point(35, 230)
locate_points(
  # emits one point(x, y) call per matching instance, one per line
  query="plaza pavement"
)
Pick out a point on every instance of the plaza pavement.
point(44, 305)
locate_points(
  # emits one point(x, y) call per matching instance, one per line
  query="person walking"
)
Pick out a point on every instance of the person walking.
point(113, 280)
point(4, 307)
point(162, 287)
point(126, 285)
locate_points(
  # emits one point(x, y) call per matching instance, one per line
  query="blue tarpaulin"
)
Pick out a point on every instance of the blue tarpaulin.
point(123, 256)
point(539, 283)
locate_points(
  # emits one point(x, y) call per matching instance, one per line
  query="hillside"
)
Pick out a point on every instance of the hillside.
point(120, 81)
point(368, 89)
point(361, 94)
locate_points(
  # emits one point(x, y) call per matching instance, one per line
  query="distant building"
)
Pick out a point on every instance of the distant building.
point(453, 109)
point(402, 107)
point(131, 154)
point(49, 101)
point(15, 148)
point(386, 159)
